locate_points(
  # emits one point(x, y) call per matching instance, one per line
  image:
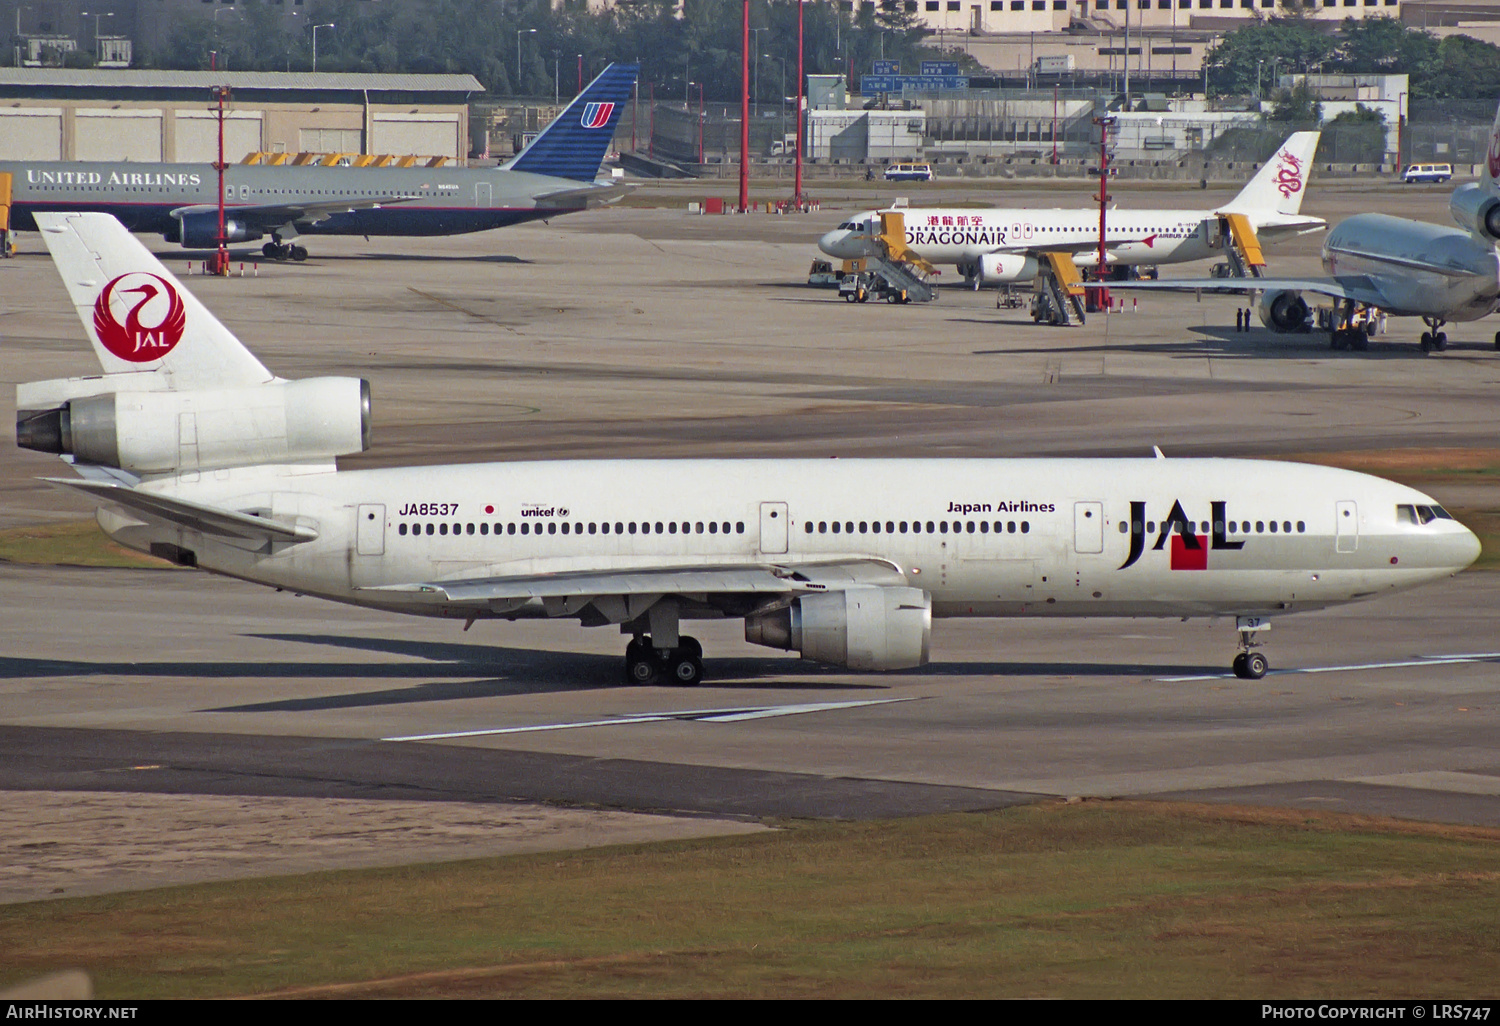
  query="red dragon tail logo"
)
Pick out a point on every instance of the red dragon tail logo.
point(1288, 175)
point(136, 340)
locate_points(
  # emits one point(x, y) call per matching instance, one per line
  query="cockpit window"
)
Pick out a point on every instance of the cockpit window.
point(1412, 514)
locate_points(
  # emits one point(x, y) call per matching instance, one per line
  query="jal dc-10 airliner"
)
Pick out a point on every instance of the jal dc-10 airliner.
point(1006, 246)
point(195, 452)
point(554, 175)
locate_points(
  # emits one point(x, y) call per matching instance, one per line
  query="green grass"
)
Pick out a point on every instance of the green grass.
point(1092, 900)
point(74, 543)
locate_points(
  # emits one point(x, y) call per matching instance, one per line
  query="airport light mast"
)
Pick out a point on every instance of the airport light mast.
point(1105, 124)
point(219, 264)
point(745, 107)
point(797, 188)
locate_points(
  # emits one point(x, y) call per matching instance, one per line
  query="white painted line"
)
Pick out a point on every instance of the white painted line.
point(1472, 657)
point(692, 715)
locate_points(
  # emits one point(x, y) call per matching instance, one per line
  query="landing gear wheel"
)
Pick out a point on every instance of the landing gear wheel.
point(1239, 665)
point(1256, 666)
point(299, 253)
point(1426, 342)
point(640, 663)
point(1359, 341)
point(691, 646)
point(683, 669)
point(271, 251)
point(1497, 340)
point(1440, 341)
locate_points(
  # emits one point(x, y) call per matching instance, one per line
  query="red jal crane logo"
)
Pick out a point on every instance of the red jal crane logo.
point(153, 324)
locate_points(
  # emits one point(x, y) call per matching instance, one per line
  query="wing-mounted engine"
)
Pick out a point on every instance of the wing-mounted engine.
point(1001, 268)
point(1283, 311)
point(199, 229)
point(155, 432)
point(871, 628)
point(1477, 210)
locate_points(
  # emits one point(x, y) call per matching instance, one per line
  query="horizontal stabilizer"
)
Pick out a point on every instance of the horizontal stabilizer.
point(210, 520)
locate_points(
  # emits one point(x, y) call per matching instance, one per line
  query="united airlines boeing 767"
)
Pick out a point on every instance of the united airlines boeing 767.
point(554, 175)
point(195, 452)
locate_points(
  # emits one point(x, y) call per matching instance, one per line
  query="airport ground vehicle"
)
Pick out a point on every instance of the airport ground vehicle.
point(1427, 173)
point(909, 173)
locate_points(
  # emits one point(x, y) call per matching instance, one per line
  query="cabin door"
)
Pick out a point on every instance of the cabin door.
point(1346, 531)
point(773, 527)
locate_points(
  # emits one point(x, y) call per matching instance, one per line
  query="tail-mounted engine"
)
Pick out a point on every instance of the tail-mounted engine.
point(1477, 210)
point(160, 432)
point(869, 628)
point(1283, 311)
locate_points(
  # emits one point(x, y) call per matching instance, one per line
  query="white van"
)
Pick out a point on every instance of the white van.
point(1427, 173)
point(908, 173)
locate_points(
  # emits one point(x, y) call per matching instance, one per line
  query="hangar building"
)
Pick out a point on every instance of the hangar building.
point(65, 114)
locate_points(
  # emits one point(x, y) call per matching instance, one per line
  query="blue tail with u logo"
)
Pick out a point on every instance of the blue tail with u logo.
point(574, 145)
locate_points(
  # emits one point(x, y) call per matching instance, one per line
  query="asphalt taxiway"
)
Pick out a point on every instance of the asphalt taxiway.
point(647, 331)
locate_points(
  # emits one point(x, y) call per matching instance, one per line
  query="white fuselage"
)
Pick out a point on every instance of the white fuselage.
point(958, 237)
point(1147, 537)
point(1406, 260)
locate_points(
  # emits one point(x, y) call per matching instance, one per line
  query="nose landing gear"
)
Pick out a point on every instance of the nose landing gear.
point(1249, 664)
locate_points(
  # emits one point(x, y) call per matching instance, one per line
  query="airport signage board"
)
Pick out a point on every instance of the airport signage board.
point(870, 84)
point(940, 67)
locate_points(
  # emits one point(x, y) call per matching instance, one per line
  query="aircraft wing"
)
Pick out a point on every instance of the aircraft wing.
point(273, 215)
point(222, 523)
point(1357, 287)
point(728, 579)
point(602, 193)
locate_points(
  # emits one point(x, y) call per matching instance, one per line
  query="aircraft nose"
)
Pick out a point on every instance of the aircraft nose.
point(1466, 549)
point(832, 243)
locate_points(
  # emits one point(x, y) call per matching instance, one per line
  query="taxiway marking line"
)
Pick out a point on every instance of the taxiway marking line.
point(693, 715)
point(1472, 657)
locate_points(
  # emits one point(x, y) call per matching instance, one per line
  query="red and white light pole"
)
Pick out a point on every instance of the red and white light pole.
point(797, 188)
point(220, 263)
point(1104, 123)
point(745, 107)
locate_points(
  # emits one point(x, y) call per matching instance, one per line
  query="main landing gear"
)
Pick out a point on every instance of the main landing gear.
point(681, 665)
point(278, 250)
point(1249, 664)
point(1436, 339)
point(1346, 334)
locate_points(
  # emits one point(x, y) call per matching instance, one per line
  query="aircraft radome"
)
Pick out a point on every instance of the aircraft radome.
point(195, 452)
point(553, 175)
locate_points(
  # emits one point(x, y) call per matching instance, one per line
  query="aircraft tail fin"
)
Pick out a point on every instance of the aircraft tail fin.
point(138, 316)
point(573, 146)
point(1278, 187)
point(1489, 173)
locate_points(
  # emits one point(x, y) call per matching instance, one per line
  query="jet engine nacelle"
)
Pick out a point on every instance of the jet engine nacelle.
point(200, 230)
point(159, 432)
point(1004, 268)
point(1283, 311)
point(1475, 209)
point(868, 628)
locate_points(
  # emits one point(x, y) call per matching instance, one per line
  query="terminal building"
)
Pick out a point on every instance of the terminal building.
point(99, 114)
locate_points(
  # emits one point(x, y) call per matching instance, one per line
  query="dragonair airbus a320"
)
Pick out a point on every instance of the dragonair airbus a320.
point(195, 452)
point(1006, 246)
point(552, 176)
